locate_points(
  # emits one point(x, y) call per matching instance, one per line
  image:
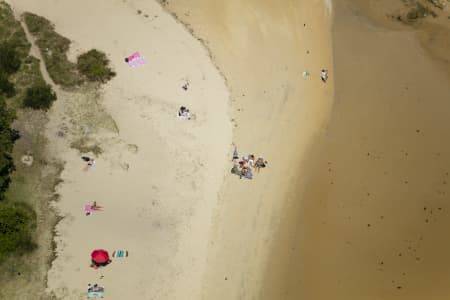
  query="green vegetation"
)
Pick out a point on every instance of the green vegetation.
point(6, 87)
point(11, 31)
point(7, 138)
point(53, 47)
point(95, 66)
point(39, 97)
point(17, 222)
point(84, 145)
point(22, 85)
point(18, 70)
point(91, 66)
point(9, 59)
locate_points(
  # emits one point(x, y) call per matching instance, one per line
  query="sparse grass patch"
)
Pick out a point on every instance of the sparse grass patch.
point(91, 66)
point(53, 47)
point(28, 75)
point(85, 146)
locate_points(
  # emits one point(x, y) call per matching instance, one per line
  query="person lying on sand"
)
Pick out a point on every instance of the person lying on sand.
point(246, 172)
point(95, 288)
point(242, 163)
point(94, 206)
point(183, 112)
point(91, 208)
point(187, 114)
point(91, 163)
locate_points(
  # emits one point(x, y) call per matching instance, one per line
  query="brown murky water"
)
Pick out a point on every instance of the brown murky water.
point(372, 220)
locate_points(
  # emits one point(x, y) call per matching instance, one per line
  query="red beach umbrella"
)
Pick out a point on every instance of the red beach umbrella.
point(100, 257)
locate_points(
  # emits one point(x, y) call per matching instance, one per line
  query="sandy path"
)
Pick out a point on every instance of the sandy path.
point(158, 200)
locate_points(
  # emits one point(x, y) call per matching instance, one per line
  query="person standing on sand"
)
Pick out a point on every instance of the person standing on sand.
point(251, 160)
point(324, 75)
point(260, 163)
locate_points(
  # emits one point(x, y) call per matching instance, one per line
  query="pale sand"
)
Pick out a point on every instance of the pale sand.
point(161, 209)
point(261, 47)
point(158, 200)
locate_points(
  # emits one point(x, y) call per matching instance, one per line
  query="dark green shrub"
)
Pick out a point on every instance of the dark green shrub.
point(7, 138)
point(39, 97)
point(95, 66)
point(11, 31)
point(9, 59)
point(6, 86)
point(16, 226)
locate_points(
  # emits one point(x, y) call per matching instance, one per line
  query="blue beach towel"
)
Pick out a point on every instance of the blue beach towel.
point(120, 253)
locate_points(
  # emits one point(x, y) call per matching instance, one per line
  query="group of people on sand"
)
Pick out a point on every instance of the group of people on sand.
point(244, 166)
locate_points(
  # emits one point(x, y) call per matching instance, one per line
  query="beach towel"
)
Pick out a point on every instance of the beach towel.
point(135, 60)
point(88, 208)
point(133, 56)
point(96, 294)
point(120, 253)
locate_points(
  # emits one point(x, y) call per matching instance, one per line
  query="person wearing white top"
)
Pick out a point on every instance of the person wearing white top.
point(324, 75)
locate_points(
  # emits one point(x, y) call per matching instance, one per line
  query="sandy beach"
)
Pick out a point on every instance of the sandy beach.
point(263, 48)
point(158, 177)
point(192, 230)
point(353, 201)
